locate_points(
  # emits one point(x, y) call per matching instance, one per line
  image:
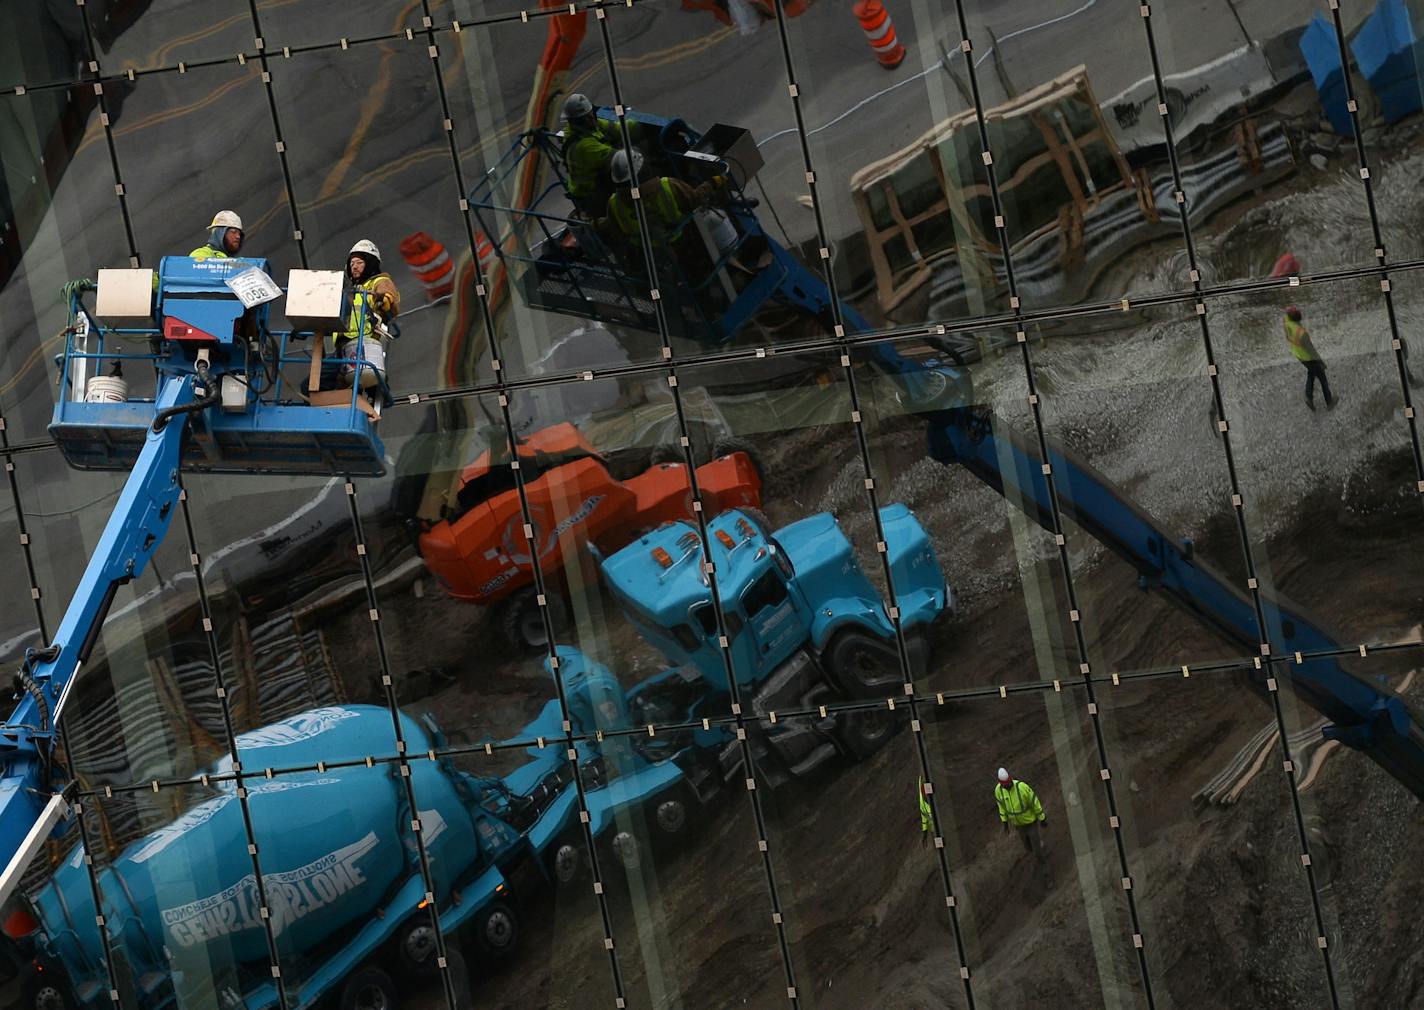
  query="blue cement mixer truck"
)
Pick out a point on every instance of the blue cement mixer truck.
point(344, 892)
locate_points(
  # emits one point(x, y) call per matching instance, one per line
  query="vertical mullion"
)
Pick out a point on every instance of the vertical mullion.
point(1139, 941)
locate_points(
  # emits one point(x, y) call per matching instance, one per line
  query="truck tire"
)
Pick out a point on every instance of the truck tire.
point(674, 815)
point(727, 445)
point(863, 733)
point(368, 988)
point(496, 930)
point(46, 994)
point(862, 665)
point(758, 518)
point(666, 453)
point(567, 862)
point(416, 948)
point(523, 625)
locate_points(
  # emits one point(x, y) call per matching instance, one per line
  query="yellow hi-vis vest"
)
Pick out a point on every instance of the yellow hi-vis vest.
point(1299, 341)
point(926, 819)
point(1018, 804)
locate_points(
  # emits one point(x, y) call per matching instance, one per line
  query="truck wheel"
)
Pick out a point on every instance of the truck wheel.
point(46, 994)
point(863, 666)
point(567, 860)
point(674, 815)
point(666, 453)
point(864, 733)
point(369, 988)
point(727, 445)
point(523, 624)
point(497, 930)
point(416, 948)
point(758, 518)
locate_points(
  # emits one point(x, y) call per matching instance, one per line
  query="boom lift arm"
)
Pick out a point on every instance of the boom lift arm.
point(29, 805)
point(1375, 722)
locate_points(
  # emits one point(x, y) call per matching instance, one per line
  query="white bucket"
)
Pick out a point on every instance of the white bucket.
point(718, 228)
point(372, 369)
point(106, 389)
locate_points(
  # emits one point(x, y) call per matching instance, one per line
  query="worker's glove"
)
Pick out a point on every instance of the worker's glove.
point(75, 288)
point(385, 303)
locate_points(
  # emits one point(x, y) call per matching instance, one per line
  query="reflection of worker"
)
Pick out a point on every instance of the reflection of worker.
point(667, 203)
point(589, 144)
point(224, 237)
point(1304, 350)
point(926, 816)
point(1020, 810)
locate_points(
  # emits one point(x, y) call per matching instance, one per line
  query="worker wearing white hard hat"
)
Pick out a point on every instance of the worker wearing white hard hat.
point(374, 296)
point(1020, 810)
point(224, 237)
point(589, 144)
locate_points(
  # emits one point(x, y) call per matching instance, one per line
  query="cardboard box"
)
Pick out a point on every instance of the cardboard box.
point(124, 294)
point(317, 300)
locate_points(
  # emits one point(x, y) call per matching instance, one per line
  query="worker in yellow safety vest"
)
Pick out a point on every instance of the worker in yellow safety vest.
point(224, 237)
point(589, 145)
point(375, 301)
point(1020, 810)
point(926, 815)
point(1304, 350)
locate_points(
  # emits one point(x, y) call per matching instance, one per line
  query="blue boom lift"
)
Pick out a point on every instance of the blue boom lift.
point(568, 268)
point(217, 405)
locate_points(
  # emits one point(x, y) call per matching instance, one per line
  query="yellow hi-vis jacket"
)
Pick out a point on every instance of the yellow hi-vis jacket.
point(207, 252)
point(1018, 805)
point(926, 819)
point(363, 302)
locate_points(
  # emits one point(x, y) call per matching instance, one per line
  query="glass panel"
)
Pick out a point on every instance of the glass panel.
point(1041, 908)
point(314, 22)
point(143, 706)
point(1200, 758)
point(1357, 872)
point(290, 610)
point(940, 446)
point(1256, 190)
point(1387, 89)
point(177, 136)
point(137, 37)
point(178, 894)
point(60, 220)
point(887, 106)
point(561, 301)
point(364, 167)
point(1330, 491)
point(854, 881)
point(1145, 492)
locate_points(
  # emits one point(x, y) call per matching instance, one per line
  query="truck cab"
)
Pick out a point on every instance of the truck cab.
point(804, 625)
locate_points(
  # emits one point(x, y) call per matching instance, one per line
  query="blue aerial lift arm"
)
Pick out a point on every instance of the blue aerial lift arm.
point(30, 805)
point(1374, 721)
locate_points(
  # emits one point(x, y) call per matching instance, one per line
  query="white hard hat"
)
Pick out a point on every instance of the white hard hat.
point(1003, 775)
point(576, 106)
point(618, 167)
point(365, 246)
point(226, 219)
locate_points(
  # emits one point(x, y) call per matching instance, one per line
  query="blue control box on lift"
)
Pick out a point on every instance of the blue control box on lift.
point(195, 303)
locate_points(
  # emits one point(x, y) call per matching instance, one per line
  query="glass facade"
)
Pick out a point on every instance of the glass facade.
point(908, 504)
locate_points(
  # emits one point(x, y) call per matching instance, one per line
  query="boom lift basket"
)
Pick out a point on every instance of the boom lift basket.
point(558, 262)
point(258, 426)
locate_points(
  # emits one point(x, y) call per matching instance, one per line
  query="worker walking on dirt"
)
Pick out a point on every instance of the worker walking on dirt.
point(926, 815)
point(224, 237)
point(1304, 350)
point(1020, 810)
point(589, 146)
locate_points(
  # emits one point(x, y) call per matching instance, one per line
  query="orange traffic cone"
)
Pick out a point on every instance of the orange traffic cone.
point(879, 32)
point(429, 261)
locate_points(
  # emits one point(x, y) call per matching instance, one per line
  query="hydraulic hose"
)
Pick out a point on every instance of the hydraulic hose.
point(213, 394)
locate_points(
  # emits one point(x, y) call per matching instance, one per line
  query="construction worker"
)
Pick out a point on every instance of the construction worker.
point(589, 146)
point(926, 816)
point(667, 203)
point(374, 299)
point(1304, 350)
point(1020, 810)
point(224, 237)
